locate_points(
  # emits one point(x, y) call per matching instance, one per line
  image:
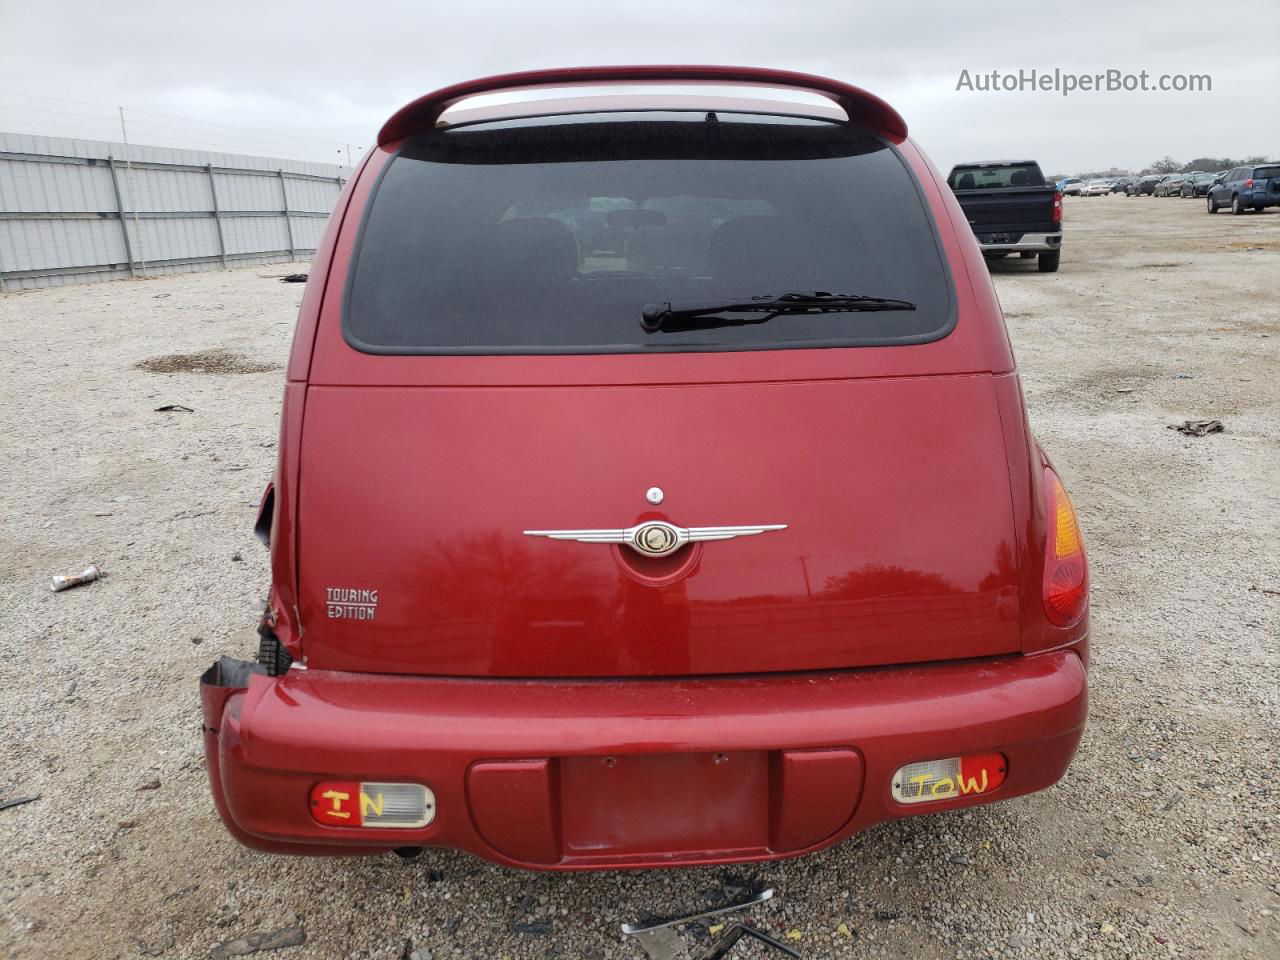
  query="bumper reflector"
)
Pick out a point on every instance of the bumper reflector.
point(949, 778)
point(346, 803)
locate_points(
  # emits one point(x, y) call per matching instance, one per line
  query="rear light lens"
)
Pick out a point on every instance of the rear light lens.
point(1057, 207)
point(949, 778)
point(1066, 572)
point(346, 803)
point(1249, 183)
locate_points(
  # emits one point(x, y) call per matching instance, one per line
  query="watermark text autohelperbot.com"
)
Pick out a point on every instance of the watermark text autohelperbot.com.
point(1066, 83)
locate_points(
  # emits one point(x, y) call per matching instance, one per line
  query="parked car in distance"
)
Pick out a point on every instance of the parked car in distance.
point(1169, 185)
point(1143, 186)
point(1071, 186)
point(1120, 184)
point(1097, 188)
point(1011, 209)
point(1196, 184)
point(1249, 187)
point(721, 547)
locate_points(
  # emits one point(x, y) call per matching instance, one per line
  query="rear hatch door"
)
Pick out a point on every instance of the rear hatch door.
point(898, 544)
point(485, 373)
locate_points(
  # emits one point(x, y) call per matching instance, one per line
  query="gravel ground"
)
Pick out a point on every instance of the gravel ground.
point(1160, 842)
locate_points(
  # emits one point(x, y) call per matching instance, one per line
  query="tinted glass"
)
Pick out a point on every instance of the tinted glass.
point(1006, 175)
point(1265, 173)
point(550, 236)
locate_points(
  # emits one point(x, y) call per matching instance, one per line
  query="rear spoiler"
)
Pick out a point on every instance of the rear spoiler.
point(862, 108)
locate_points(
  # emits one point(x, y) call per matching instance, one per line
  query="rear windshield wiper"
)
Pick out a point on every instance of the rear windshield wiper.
point(673, 317)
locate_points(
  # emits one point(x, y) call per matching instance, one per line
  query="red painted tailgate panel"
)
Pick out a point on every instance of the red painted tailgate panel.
point(899, 544)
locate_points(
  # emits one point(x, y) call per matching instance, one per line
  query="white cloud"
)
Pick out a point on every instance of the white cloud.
point(307, 79)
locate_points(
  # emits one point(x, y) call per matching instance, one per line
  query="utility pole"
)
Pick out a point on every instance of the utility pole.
point(133, 199)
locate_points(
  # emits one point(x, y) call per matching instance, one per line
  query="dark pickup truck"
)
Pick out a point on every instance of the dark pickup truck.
point(1011, 209)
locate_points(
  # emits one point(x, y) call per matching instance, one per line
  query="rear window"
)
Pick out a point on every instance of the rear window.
point(1004, 175)
point(550, 236)
point(1266, 173)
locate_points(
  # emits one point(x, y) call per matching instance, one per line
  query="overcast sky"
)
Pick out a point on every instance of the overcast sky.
point(305, 79)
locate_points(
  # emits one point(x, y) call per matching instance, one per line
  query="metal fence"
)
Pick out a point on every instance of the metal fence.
point(75, 211)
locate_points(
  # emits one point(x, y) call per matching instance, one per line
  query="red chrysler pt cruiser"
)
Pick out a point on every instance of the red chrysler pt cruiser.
point(655, 487)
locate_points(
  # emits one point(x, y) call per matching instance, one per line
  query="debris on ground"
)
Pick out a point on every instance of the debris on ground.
point(150, 785)
point(738, 929)
point(174, 408)
point(18, 801)
point(537, 928)
point(1198, 428)
point(87, 575)
point(294, 278)
point(293, 936)
point(721, 946)
point(660, 939)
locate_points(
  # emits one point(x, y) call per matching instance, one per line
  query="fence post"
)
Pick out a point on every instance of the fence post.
point(217, 215)
point(124, 224)
point(288, 224)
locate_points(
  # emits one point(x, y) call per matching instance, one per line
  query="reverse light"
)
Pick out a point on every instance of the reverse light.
point(1057, 207)
point(347, 803)
point(949, 778)
point(1066, 572)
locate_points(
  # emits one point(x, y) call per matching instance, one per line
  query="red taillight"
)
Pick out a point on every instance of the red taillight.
point(1066, 572)
point(1057, 207)
point(949, 778)
point(348, 803)
point(1249, 183)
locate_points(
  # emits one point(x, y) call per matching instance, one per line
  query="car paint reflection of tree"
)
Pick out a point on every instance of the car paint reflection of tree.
point(493, 601)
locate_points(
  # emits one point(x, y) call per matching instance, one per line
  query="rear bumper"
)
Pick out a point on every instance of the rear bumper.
point(1028, 242)
point(627, 773)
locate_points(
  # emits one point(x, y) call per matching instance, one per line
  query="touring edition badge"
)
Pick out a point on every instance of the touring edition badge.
point(349, 603)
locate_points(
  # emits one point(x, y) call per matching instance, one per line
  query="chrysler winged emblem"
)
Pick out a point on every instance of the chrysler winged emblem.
point(654, 538)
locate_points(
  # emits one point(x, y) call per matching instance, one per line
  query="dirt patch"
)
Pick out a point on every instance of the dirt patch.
point(1160, 266)
point(205, 361)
